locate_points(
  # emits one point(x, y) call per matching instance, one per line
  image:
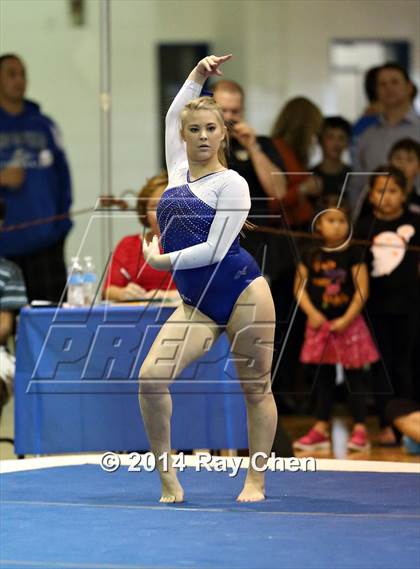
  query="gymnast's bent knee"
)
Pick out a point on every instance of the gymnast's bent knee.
point(153, 380)
point(255, 389)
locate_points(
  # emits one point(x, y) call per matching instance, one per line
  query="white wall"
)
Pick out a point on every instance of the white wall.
point(311, 26)
point(280, 48)
point(63, 70)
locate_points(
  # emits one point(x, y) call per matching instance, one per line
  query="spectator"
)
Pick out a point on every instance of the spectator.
point(393, 305)
point(255, 158)
point(372, 112)
point(405, 416)
point(405, 155)
point(35, 183)
point(335, 290)
point(129, 276)
point(294, 133)
point(399, 120)
point(334, 139)
point(12, 298)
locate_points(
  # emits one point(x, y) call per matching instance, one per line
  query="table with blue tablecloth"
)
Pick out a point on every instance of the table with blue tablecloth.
point(76, 386)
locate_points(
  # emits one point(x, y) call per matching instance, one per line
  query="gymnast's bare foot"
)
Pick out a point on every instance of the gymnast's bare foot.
point(253, 491)
point(172, 490)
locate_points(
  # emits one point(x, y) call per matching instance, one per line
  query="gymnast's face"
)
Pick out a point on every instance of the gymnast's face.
point(203, 133)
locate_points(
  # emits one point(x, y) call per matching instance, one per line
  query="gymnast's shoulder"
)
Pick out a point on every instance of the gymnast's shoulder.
point(232, 179)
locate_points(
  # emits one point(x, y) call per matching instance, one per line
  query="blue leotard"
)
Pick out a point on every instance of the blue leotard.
point(200, 223)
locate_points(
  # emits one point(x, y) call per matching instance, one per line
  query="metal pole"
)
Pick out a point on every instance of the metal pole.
point(105, 121)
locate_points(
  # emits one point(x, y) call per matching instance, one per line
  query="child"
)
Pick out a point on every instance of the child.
point(393, 304)
point(335, 292)
point(405, 155)
point(334, 139)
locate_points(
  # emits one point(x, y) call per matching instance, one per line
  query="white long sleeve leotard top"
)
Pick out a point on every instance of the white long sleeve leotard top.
point(226, 192)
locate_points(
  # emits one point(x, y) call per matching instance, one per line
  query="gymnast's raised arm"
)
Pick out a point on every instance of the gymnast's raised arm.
point(232, 208)
point(174, 146)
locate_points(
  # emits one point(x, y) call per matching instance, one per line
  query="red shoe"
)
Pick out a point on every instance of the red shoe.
point(313, 440)
point(359, 440)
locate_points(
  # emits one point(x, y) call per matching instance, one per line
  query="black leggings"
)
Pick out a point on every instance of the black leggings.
point(357, 386)
point(392, 375)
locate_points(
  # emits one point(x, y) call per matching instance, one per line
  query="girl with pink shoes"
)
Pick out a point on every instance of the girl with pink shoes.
point(331, 287)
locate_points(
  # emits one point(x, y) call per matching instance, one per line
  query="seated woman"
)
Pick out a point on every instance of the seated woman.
point(129, 276)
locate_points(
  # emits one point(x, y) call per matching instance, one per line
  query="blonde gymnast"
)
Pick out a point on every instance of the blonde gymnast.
point(200, 216)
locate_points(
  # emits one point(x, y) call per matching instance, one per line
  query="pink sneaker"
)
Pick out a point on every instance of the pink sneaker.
point(359, 440)
point(313, 440)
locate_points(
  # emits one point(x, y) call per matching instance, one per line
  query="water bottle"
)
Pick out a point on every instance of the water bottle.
point(75, 293)
point(90, 280)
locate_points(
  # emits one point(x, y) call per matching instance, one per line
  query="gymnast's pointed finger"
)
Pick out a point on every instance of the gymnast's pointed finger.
point(223, 58)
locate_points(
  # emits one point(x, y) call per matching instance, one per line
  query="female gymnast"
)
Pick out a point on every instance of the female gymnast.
point(200, 216)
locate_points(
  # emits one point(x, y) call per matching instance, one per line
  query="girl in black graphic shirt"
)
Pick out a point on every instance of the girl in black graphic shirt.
point(331, 287)
point(393, 305)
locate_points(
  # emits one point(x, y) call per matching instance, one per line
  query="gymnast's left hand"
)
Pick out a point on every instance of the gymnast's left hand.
point(210, 65)
point(153, 256)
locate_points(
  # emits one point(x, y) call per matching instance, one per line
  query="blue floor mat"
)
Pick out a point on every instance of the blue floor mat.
point(80, 516)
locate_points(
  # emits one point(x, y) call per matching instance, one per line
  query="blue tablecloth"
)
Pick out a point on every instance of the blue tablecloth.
point(76, 386)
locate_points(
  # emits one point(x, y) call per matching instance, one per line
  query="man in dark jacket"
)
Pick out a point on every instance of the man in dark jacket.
point(34, 184)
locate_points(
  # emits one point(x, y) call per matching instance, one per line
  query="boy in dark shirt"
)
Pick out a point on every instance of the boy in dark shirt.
point(405, 155)
point(394, 292)
point(334, 139)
